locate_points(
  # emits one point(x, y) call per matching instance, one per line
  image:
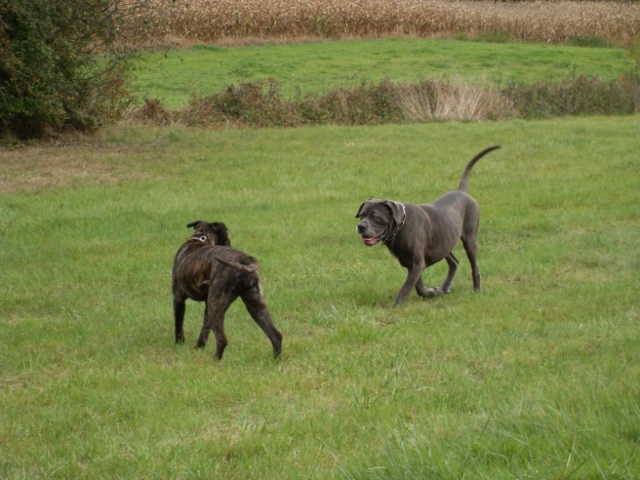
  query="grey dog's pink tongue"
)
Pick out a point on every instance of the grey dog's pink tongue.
point(370, 240)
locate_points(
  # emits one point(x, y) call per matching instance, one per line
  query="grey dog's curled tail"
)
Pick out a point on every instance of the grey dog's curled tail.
point(463, 181)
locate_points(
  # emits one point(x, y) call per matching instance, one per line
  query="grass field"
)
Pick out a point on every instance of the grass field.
point(173, 77)
point(536, 377)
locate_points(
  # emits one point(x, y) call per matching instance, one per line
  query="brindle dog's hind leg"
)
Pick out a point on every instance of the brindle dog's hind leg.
point(218, 302)
point(258, 310)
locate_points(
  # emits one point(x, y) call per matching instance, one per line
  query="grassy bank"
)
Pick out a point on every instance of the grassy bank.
point(175, 76)
point(382, 81)
point(536, 376)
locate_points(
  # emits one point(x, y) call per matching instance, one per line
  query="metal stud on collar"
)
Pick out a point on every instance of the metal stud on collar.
point(201, 238)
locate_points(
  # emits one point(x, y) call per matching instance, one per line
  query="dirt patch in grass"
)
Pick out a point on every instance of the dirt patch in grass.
point(36, 168)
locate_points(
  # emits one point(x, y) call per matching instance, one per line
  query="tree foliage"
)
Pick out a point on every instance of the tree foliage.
point(63, 64)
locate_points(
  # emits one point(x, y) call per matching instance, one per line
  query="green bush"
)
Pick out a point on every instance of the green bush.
point(62, 64)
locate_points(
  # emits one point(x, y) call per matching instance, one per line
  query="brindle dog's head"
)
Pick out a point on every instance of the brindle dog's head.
point(379, 220)
point(210, 233)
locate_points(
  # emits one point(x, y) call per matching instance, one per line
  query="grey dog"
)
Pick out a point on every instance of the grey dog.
point(421, 235)
point(206, 269)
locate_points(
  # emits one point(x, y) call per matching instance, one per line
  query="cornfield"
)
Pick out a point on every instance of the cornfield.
point(267, 20)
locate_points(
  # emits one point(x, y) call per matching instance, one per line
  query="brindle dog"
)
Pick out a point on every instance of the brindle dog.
point(206, 269)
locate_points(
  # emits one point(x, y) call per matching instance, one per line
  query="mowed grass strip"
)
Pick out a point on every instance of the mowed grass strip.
point(175, 76)
point(536, 376)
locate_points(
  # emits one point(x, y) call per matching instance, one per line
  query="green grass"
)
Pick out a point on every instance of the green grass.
point(536, 377)
point(317, 68)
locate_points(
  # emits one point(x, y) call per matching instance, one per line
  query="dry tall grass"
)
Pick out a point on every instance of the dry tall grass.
point(540, 21)
point(439, 101)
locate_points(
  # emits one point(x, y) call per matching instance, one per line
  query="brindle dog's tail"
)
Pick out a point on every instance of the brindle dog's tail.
point(463, 181)
point(238, 266)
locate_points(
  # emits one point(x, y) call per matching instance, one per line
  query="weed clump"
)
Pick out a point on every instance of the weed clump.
point(577, 96)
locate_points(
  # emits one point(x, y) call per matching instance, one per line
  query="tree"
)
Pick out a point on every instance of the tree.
point(63, 63)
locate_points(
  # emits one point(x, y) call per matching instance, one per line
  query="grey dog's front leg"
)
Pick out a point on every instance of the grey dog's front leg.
point(413, 277)
point(427, 292)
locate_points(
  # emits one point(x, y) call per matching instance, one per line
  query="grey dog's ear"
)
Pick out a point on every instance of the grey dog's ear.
point(366, 204)
point(193, 224)
point(397, 210)
point(360, 209)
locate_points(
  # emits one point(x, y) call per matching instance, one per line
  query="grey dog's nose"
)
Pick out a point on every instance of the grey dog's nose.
point(360, 228)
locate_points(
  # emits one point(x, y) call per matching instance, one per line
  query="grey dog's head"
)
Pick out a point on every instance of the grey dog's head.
point(379, 220)
point(215, 233)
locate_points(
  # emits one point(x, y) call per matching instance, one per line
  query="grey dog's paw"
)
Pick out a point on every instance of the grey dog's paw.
point(432, 292)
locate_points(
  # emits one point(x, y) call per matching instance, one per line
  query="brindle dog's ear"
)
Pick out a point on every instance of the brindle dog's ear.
point(193, 224)
point(222, 236)
point(396, 210)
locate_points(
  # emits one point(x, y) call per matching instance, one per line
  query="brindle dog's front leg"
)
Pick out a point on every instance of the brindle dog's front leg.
point(178, 309)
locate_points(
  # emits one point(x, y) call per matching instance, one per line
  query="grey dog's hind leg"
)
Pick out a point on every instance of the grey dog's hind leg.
point(471, 247)
point(452, 261)
point(423, 291)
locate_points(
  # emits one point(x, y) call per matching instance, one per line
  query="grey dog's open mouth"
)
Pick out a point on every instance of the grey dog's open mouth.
point(371, 240)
